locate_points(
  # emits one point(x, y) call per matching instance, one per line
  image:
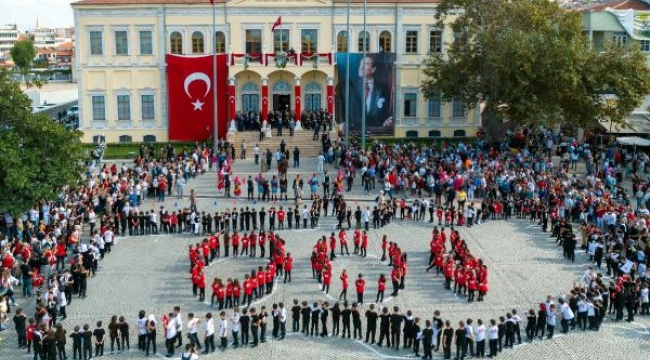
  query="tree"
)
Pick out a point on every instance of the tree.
point(23, 54)
point(529, 62)
point(38, 157)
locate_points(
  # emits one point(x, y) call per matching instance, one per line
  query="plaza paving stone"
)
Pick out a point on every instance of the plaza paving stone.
point(152, 273)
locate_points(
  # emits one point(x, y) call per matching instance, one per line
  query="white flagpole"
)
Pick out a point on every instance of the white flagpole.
point(363, 114)
point(347, 81)
point(215, 78)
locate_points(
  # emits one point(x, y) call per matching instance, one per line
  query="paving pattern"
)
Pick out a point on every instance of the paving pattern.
point(151, 273)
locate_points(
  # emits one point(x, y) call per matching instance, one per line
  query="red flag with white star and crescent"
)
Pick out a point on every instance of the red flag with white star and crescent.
point(190, 86)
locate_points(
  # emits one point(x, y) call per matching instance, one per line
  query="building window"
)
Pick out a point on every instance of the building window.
point(459, 133)
point(410, 104)
point(364, 42)
point(253, 41)
point(435, 106)
point(99, 107)
point(619, 39)
point(96, 45)
point(281, 40)
point(250, 102)
point(149, 138)
point(342, 42)
point(385, 42)
point(309, 41)
point(645, 45)
point(146, 43)
point(176, 43)
point(435, 41)
point(148, 109)
point(98, 139)
point(123, 107)
point(121, 43)
point(125, 138)
point(197, 43)
point(220, 42)
point(312, 97)
point(457, 108)
point(434, 133)
point(411, 42)
point(412, 134)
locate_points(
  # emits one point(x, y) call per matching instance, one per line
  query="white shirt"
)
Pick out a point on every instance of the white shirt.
point(283, 315)
point(493, 332)
point(171, 330)
point(235, 322)
point(209, 327)
point(480, 333)
point(191, 326)
point(142, 326)
point(223, 328)
point(567, 313)
point(108, 236)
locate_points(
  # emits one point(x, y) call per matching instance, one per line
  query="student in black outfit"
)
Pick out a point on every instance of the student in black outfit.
point(323, 318)
point(346, 314)
point(244, 322)
point(99, 339)
point(460, 340)
point(502, 331)
point(447, 337)
point(124, 333)
point(371, 324)
point(315, 312)
point(305, 312)
point(87, 340)
point(336, 319)
point(427, 340)
point(76, 343)
point(409, 322)
point(356, 322)
point(395, 327)
point(255, 325)
point(295, 316)
point(415, 329)
point(384, 326)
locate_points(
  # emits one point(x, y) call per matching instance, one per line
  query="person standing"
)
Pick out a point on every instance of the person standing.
point(427, 340)
point(493, 337)
point(396, 320)
point(356, 322)
point(344, 284)
point(236, 324)
point(447, 338)
point(256, 153)
point(346, 315)
point(567, 316)
point(223, 331)
point(192, 333)
point(255, 325)
point(550, 321)
point(480, 339)
point(209, 333)
point(296, 157)
point(170, 334)
point(360, 285)
point(263, 322)
point(384, 326)
point(99, 333)
point(323, 318)
point(459, 335)
point(283, 321)
point(371, 324)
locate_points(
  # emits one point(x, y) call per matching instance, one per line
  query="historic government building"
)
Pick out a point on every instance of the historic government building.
point(122, 74)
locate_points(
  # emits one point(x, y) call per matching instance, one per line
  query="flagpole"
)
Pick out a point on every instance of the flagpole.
point(363, 114)
point(215, 78)
point(347, 82)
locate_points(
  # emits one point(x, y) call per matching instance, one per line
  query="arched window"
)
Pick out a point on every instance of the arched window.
point(250, 97)
point(342, 42)
point(197, 43)
point(385, 42)
point(364, 41)
point(176, 43)
point(434, 133)
point(459, 133)
point(412, 134)
point(220, 42)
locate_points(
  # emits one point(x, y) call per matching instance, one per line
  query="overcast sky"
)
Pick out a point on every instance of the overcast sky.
point(50, 13)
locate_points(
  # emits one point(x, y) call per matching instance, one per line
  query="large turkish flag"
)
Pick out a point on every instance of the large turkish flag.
point(190, 85)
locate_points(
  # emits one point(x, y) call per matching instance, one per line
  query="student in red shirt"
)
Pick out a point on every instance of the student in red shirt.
point(333, 247)
point(195, 277)
point(229, 292)
point(288, 266)
point(244, 244)
point(281, 216)
point(381, 287)
point(248, 290)
point(357, 241)
point(327, 279)
point(395, 276)
point(253, 243)
point(261, 280)
point(343, 238)
point(216, 287)
point(60, 255)
point(235, 244)
point(236, 292)
point(472, 286)
point(364, 244)
point(270, 275)
point(344, 285)
point(200, 281)
point(384, 246)
point(360, 285)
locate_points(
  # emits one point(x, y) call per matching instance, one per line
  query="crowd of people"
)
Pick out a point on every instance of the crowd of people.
point(251, 120)
point(445, 181)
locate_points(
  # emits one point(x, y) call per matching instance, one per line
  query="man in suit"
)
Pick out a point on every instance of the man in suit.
point(377, 98)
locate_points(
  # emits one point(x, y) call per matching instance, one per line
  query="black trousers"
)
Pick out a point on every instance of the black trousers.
point(480, 348)
point(493, 347)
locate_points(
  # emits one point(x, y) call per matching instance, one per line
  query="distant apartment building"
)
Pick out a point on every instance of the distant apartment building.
point(8, 37)
point(44, 37)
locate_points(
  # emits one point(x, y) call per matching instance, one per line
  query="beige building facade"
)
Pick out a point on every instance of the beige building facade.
point(121, 47)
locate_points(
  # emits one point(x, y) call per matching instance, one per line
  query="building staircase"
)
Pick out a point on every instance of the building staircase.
point(301, 138)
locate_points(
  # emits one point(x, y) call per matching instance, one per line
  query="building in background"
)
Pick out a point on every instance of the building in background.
point(9, 35)
point(44, 37)
point(121, 71)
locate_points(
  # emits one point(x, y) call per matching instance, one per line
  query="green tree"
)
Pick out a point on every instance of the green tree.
point(38, 157)
point(528, 61)
point(23, 54)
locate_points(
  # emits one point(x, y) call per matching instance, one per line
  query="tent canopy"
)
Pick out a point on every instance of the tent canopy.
point(633, 140)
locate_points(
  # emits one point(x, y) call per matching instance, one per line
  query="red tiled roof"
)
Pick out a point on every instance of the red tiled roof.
point(620, 5)
point(191, 2)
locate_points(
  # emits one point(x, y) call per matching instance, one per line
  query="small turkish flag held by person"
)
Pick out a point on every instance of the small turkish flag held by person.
point(277, 23)
point(190, 84)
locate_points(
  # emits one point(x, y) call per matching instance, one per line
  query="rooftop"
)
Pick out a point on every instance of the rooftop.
point(197, 2)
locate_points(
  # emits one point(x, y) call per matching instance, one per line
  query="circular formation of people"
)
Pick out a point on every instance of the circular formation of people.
point(52, 251)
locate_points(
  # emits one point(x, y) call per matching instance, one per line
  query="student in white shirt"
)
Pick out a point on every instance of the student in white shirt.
point(190, 353)
point(493, 336)
point(170, 336)
point(567, 316)
point(235, 327)
point(582, 312)
point(141, 324)
point(480, 339)
point(223, 331)
point(209, 333)
point(283, 321)
point(192, 332)
point(550, 321)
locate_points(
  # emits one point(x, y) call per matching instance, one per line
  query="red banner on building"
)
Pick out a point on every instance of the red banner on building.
point(190, 85)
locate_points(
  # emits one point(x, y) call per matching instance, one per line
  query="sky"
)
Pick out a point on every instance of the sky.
point(50, 13)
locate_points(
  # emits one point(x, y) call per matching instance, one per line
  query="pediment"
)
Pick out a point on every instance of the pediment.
point(280, 3)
